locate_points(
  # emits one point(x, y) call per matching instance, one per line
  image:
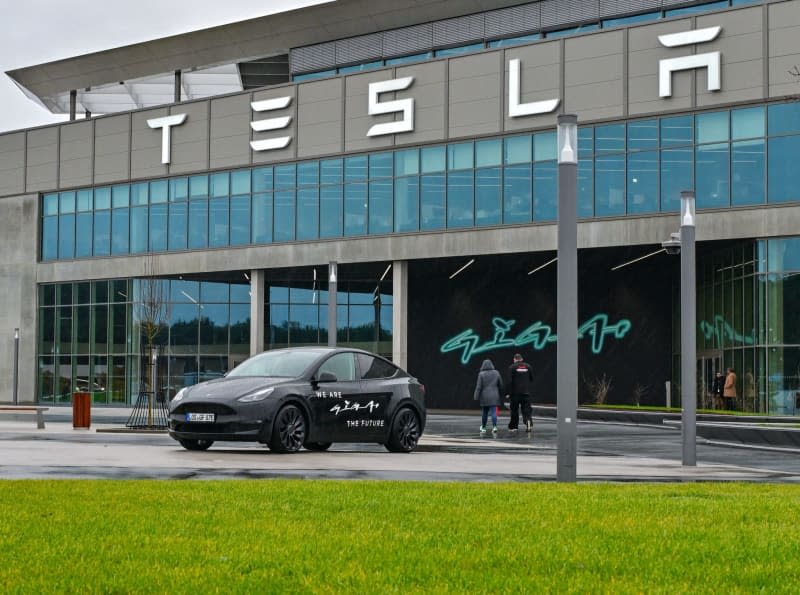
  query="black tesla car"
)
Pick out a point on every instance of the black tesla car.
point(303, 397)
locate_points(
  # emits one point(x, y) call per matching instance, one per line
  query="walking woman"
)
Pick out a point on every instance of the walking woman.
point(488, 393)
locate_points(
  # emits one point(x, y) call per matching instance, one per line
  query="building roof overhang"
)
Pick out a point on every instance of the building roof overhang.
point(140, 75)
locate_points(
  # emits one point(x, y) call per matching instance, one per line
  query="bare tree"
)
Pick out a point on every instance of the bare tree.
point(639, 390)
point(599, 386)
point(152, 311)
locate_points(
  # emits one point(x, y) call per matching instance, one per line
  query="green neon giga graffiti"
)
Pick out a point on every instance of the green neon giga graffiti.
point(537, 335)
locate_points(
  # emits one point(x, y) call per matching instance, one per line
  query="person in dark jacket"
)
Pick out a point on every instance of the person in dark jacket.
point(488, 393)
point(717, 387)
point(520, 378)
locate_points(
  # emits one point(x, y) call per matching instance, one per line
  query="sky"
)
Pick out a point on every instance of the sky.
point(38, 31)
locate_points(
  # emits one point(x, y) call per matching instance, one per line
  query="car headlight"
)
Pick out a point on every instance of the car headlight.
point(179, 395)
point(259, 395)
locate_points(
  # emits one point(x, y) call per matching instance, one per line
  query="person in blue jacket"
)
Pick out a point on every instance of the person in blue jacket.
point(488, 392)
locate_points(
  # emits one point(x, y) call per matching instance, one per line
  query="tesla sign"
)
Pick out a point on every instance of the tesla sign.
point(403, 109)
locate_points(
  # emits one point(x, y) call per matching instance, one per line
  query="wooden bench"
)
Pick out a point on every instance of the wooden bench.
point(39, 411)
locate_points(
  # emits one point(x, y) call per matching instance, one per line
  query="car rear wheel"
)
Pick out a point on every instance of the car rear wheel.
point(289, 430)
point(195, 444)
point(405, 432)
point(317, 445)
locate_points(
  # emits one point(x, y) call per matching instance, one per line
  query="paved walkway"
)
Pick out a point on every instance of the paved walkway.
point(59, 451)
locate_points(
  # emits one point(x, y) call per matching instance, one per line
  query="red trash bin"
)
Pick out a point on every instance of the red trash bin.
point(81, 410)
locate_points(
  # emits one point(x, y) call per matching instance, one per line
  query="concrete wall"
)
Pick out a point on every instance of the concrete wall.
point(600, 76)
point(19, 240)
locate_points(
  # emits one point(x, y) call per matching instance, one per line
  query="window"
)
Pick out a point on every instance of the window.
point(361, 67)
point(638, 18)
point(463, 49)
point(374, 367)
point(509, 41)
point(341, 365)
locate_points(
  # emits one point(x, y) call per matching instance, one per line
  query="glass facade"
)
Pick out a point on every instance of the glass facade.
point(748, 310)
point(91, 334)
point(732, 158)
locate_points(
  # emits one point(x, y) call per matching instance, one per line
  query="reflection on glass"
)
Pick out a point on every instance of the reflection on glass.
point(460, 208)
point(748, 165)
point(609, 185)
point(643, 182)
point(406, 204)
point(487, 195)
point(782, 185)
point(545, 191)
point(712, 175)
point(517, 192)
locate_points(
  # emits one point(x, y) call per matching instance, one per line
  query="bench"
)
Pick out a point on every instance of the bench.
point(39, 411)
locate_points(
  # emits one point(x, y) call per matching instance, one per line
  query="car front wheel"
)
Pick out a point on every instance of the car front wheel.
point(405, 432)
point(289, 430)
point(195, 444)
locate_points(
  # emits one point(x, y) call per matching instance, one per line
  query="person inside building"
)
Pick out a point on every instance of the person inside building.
point(520, 379)
point(488, 391)
point(717, 388)
point(729, 391)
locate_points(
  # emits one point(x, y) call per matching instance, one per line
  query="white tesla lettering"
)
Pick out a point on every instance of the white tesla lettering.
point(406, 106)
point(365, 423)
point(166, 123)
point(270, 124)
point(348, 406)
point(710, 60)
point(517, 109)
point(321, 394)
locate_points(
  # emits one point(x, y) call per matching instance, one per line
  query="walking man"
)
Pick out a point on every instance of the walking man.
point(519, 388)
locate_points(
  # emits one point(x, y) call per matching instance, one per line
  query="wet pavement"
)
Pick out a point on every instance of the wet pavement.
point(452, 449)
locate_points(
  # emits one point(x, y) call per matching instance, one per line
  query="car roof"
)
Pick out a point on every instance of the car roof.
point(323, 349)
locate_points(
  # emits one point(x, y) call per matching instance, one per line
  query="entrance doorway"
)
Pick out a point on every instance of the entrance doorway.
point(708, 364)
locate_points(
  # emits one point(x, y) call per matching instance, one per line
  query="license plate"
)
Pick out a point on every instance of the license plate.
point(206, 417)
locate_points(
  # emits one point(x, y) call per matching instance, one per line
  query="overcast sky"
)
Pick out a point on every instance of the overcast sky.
point(39, 31)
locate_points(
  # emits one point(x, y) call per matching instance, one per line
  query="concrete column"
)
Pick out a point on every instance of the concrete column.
point(257, 303)
point(400, 313)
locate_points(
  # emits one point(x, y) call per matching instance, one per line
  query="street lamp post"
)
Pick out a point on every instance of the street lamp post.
point(332, 286)
point(567, 298)
point(16, 365)
point(688, 329)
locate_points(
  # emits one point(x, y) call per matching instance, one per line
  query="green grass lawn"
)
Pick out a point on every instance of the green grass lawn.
point(266, 536)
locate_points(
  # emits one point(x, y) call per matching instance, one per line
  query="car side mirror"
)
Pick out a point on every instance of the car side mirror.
point(326, 377)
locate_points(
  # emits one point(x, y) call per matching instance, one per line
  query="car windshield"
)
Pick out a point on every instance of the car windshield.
point(289, 364)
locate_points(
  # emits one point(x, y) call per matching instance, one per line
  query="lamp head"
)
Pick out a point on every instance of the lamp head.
point(567, 138)
point(687, 208)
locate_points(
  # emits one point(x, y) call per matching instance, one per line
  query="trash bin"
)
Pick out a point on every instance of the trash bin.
point(81, 410)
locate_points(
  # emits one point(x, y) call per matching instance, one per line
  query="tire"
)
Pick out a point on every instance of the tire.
point(289, 430)
point(317, 445)
point(405, 432)
point(189, 444)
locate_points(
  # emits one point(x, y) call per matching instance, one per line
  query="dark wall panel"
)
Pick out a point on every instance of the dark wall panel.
point(490, 305)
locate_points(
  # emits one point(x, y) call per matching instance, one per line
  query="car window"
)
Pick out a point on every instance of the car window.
point(342, 365)
point(374, 367)
point(290, 364)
